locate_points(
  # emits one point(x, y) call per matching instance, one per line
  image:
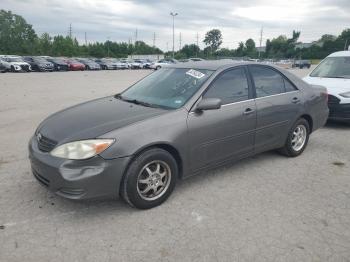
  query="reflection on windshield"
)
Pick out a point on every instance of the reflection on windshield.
point(333, 67)
point(168, 87)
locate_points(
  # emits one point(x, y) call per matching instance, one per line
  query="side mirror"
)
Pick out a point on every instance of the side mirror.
point(208, 104)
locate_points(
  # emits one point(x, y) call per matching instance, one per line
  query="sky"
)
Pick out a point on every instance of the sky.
point(238, 20)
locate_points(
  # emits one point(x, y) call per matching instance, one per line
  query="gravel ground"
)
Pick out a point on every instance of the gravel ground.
point(265, 208)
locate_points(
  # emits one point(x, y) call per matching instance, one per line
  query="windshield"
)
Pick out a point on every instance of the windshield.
point(40, 60)
point(14, 59)
point(333, 67)
point(168, 88)
point(57, 60)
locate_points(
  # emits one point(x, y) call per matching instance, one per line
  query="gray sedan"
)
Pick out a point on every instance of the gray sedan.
point(176, 122)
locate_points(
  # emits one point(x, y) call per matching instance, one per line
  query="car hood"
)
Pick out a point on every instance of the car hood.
point(93, 119)
point(333, 85)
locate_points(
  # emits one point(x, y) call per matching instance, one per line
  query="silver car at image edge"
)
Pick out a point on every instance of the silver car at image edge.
point(174, 123)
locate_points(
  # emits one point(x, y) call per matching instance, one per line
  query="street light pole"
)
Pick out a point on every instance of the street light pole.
point(173, 15)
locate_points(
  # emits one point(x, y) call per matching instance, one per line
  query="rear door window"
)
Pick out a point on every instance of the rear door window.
point(267, 81)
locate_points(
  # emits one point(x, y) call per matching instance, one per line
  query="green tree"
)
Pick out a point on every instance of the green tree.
point(16, 35)
point(45, 44)
point(250, 49)
point(191, 50)
point(213, 39)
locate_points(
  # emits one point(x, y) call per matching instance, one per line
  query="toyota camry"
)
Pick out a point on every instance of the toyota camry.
point(176, 122)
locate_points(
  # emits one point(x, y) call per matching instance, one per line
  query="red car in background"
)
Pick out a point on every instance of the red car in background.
point(74, 65)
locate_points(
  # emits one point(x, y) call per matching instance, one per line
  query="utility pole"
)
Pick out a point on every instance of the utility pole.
point(167, 46)
point(173, 15)
point(180, 42)
point(108, 46)
point(70, 30)
point(136, 33)
point(154, 39)
point(197, 38)
point(346, 44)
point(261, 35)
point(85, 39)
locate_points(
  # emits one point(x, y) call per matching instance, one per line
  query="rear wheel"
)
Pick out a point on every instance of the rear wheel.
point(158, 67)
point(150, 179)
point(298, 138)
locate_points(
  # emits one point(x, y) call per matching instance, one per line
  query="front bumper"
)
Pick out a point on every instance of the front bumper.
point(77, 179)
point(339, 112)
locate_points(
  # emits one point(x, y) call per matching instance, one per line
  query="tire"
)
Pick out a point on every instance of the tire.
point(13, 69)
point(158, 67)
point(135, 192)
point(292, 149)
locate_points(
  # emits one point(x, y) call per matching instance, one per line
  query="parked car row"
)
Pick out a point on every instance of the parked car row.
point(48, 64)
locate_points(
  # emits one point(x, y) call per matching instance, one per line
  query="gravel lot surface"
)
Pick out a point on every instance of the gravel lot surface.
point(265, 208)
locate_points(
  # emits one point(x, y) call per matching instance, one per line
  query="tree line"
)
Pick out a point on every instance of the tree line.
point(19, 37)
point(280, 47)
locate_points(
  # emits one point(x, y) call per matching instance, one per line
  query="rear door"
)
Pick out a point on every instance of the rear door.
point(278, 102)
point(228, 132)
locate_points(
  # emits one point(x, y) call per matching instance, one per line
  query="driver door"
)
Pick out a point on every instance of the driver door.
point(227, 133)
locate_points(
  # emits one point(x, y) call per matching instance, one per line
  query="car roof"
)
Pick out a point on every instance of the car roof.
point(340, 53)
point(212, 65)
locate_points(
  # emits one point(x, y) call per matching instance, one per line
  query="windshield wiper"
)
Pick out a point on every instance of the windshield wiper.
point(135, 101)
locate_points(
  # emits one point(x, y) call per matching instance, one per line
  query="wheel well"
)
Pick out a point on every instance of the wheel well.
point(170, 149)
point(309, 120)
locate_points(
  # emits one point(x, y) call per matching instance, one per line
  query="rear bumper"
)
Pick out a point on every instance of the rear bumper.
point(339, 112)
point(84, 179)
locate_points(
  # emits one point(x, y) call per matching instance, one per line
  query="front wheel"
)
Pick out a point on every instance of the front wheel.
point(298, 138)
point(150, 179)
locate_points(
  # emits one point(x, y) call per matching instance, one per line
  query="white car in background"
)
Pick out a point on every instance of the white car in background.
point(163, 62)
point(334, 74)
point(137, 64)
point(17, 64)
point(4, 66)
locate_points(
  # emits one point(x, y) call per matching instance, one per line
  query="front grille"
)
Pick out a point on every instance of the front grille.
point(44, 181)
point(332, 100)
point(45, 144)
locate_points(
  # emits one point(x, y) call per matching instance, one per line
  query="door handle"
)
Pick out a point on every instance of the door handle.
point(295, 100)
point(248, 111)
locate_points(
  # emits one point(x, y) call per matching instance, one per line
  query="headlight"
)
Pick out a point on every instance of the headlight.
point(82, 149)
point(346, 95)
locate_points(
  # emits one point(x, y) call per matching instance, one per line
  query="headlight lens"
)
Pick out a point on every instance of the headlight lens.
point(346, 95)
point(82, 149)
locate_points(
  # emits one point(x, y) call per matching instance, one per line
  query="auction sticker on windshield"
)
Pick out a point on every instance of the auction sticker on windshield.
point(195, 73)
